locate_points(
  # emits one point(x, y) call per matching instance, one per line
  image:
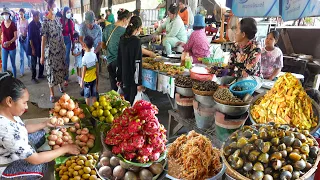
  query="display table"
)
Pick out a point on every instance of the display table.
point(190, 124)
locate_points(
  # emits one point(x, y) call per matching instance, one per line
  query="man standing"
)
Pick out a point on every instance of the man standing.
point(183, 12)
point(35, 46)
point(89, 28)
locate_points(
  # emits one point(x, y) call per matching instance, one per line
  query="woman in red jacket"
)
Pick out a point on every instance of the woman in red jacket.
point(68, 31)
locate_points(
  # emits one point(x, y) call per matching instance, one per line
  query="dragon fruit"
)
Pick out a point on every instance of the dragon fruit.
point(154, 156)
point(116, 150)
point(143, 159)
point(126, 147)
point(141, 104)
point(112, 141)
point(159, 148)
point(137, 141)
point(129, 112)
point(130, 156)
point(146, 150)
point(155, 140)
point(146, 113)
point(134, 126)
point(124, 121)
point(116, 129)
point(151, 127)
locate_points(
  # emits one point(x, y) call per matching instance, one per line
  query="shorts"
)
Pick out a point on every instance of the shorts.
point(90, 89)
point(78, 61)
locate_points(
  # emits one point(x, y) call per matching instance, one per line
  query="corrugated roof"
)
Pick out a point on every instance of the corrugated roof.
point(115, 2)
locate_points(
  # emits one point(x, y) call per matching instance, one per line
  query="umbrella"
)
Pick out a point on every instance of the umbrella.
point(287, 9)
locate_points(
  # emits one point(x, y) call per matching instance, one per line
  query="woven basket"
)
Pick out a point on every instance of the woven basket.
point(203, 93)
point(236, 175)
point(230, 103)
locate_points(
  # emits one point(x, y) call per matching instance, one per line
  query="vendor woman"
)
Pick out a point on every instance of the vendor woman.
point(175, 30)
point(271, 57)
point(19, 142)
point(197, 45)
point(245, 54)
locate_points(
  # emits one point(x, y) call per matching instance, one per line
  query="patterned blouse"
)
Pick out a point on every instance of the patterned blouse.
point(197, 45)
point(271, 60)
point(246, 58)
point(14, 143)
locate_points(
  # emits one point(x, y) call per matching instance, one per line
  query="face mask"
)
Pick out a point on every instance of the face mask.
point(68, 15)
point(55, 10)
point(6, 17)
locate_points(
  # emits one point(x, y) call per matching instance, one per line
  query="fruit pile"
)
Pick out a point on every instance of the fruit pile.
point(58, 138)
point(79, 167)
point(84, 139)
point(109, 107)
point(110, 167)
point(65, 110)
point(137, 134)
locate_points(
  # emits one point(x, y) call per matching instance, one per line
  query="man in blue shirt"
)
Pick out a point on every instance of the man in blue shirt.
point(34, 49)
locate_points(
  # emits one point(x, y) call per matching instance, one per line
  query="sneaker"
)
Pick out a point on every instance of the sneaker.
point(41, 77)
point(21, 75)
point(34, 81)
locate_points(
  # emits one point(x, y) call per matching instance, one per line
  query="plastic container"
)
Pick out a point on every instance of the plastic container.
point(185, 106)
point(204, 115)
point(250, 85)
point(201, 74)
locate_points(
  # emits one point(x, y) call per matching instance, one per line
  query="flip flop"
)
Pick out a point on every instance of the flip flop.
point(61, 90)
point(52, 99)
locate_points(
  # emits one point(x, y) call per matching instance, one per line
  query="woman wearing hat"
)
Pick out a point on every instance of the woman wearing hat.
point(9, 36)
point(67, 32)
point(53, 49)
point(175, 30)
point(197, 45)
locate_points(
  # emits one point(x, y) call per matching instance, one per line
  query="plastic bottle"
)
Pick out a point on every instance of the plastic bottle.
point(188, 62)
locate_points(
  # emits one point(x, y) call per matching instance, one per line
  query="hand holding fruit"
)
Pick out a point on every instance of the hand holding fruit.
point(72, 149)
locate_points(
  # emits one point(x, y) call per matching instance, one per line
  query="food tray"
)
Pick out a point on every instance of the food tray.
point(315, 108)
point(230, 103)
point(203, 93)
point(235, 174)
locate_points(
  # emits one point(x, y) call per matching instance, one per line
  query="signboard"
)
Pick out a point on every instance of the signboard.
point(16, 5)
point(255, 8)
point(149, 79)
point(297, 9)
point(65, 3)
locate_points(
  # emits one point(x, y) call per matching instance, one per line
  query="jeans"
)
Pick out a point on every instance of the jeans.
point(67, 42)
point(23, 46)
point(112, 69)
point(34, 61)
point(5, 53)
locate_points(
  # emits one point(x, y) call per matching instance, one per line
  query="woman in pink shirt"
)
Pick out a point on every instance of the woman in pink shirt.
point(197, 45)
point(22, 26)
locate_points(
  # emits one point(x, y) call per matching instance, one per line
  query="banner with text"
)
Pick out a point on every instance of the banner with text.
point(254, 8)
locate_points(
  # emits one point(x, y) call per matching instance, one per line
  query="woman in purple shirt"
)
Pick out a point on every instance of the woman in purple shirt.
point(197, 45)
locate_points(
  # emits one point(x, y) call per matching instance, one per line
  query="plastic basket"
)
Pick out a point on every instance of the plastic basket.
point(248, 85)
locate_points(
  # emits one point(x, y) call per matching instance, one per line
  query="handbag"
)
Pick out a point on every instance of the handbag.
point(22, 38)
point(107, 43)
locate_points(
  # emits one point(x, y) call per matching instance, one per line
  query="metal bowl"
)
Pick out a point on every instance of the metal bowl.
point(315, 107)
point(184, 91)
point(205, 100)
point(232, 110)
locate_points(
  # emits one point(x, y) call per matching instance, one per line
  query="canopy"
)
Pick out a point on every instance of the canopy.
point(19, 3)
point(287, 9)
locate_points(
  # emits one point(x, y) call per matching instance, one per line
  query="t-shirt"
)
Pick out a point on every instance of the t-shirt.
point(8, 34)
point(95, 33)
point(113, 44)
point(89, 60)
point(270, 60)
point(22, 27)
point(14, 143)
point(184, 14)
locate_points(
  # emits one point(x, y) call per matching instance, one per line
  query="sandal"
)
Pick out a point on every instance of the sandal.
point(52, 99)
point(61, 90)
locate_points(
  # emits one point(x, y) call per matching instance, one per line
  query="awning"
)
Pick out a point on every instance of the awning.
point(19, 3)
point(287, 9)
point(115, 2)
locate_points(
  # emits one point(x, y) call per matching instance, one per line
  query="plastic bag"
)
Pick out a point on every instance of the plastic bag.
point(120, 91)
point(141, 96)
